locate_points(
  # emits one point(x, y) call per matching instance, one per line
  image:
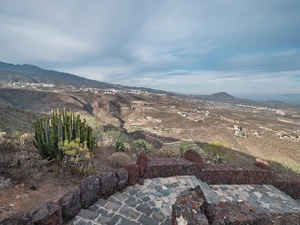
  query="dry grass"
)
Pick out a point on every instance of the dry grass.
point(169, 152)
point(285, 165)
point(219, 151)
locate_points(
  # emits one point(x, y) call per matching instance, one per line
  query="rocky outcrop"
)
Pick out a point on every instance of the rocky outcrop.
point(19, 219)
point(142, 162)
point(122, 177)
point(108, 183)
point(90, 191)
point(262, 164)
point(188, 208)
point(133, 173)
point(194, 156)
point(49, 214)
point(70, 204)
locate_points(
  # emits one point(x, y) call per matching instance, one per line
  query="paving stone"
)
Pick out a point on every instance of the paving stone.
point(129, 212)
point(102, 212)
point(125, 221)
point(133, 202)
point(112, 206)
point(172, 179)
point(81, 222)
point(158, 204)
point(88, 214)
point(103, 219)
point(114, 200)
point(146, 199)
point(159, 216)
point(151, 203)
point(145, 208)
point(168, 221)
point(93, 208)
point(133, 191)
point(101, 202)
point(115, 219)
point(172, 185)
point(145, 220)
point(141, 195)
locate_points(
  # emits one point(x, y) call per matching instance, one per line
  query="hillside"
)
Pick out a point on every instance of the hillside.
point(33, 74)
point(248, 129)
point(30, 73)
point(266, 126)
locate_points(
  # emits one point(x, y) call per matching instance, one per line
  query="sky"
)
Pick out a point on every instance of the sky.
point(243, 47)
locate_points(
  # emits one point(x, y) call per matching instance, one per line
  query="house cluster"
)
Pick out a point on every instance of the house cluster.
point(26, 85)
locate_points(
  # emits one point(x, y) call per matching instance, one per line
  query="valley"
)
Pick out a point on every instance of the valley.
point(257, 129)
point(269, 130)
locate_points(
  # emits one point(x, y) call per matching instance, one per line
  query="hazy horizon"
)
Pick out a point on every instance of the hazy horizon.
point(200, 47)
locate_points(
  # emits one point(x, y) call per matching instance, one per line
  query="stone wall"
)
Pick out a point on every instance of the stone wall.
point(222, 174)
point(211, 173)
point(168, 167)
point(102, 186)
point(234, 174)
point(90, 190)
point(288, 185)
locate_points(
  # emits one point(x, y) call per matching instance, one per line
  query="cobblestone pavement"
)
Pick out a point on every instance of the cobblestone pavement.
point(148, 204)
point(265, 198)
point(151, 203)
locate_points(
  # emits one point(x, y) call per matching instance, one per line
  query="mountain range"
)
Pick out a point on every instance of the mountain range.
point(34, 74)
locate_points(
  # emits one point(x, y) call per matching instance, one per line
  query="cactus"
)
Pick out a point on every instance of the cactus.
point(52, 134)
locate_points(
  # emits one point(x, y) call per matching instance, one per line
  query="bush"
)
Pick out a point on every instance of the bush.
point(8, 145)
point(26, 139)
point(77, 157)
point(119, 145)
point(170, 152)
point(183, 147)
point(120, 159)
point(219, 152)
point(96, 125)
point(110, 137)
point(140, 144)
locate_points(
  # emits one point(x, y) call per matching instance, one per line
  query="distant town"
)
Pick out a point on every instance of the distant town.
point(54, 88)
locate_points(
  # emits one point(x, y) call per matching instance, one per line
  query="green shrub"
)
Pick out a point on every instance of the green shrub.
point(16, 136)
point(96, 125)
point(109, 138)
point(183, 147)
point(119, 145)
point(77, 156)
point(140, 144)
point(219, 152)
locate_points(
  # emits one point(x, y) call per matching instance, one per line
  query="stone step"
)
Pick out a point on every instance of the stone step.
point(209, 195)
point(121, 209)
point(150, 203)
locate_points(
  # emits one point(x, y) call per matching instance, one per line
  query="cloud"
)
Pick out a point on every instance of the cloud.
point(191, 46)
